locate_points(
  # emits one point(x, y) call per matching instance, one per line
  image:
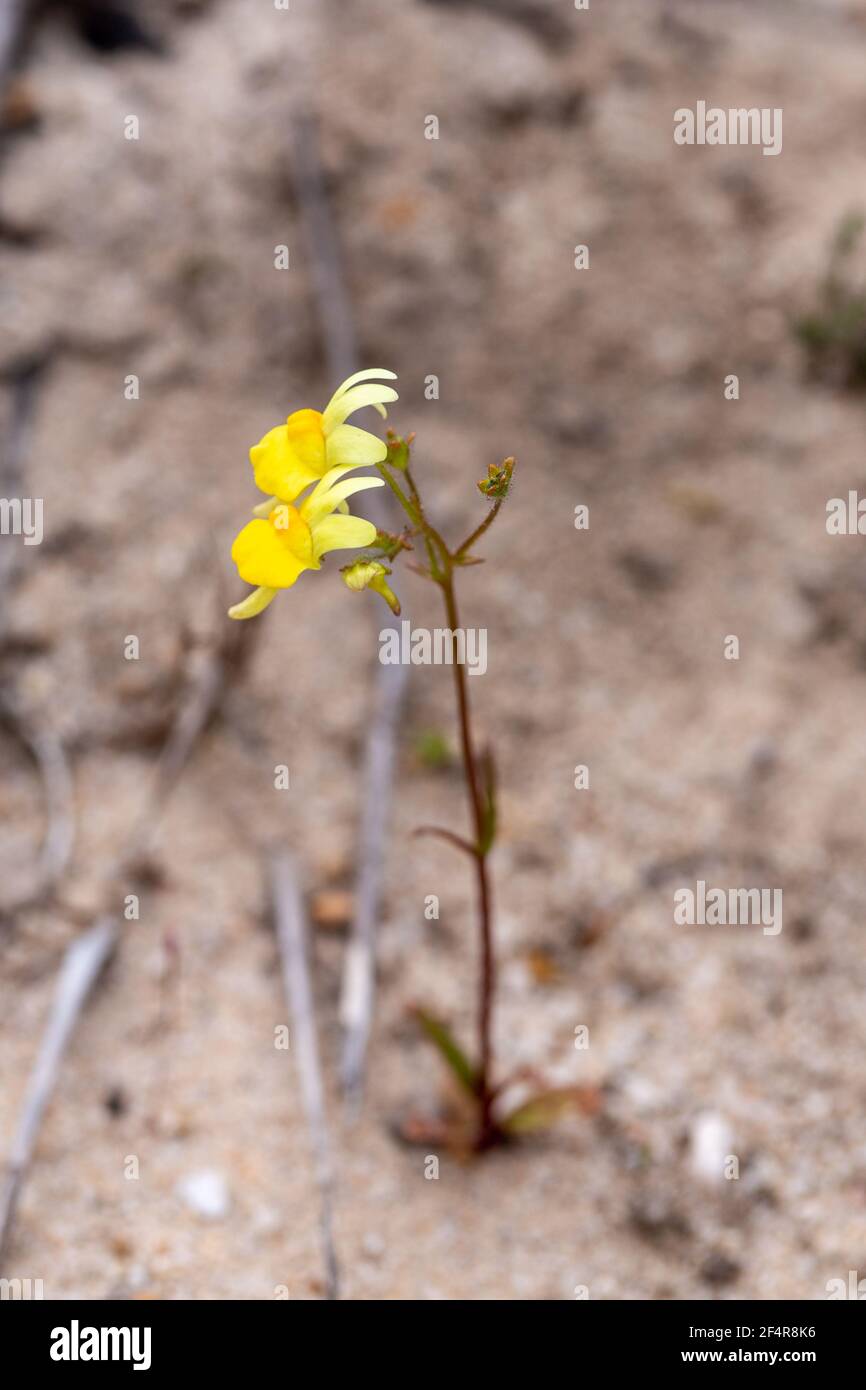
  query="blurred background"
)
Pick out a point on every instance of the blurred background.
point(153, 258)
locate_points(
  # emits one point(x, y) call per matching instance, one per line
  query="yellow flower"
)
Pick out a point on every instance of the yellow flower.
point(311, 443)
point(273, 551)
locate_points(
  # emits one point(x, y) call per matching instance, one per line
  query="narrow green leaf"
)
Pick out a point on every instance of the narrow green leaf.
point(449, 1049)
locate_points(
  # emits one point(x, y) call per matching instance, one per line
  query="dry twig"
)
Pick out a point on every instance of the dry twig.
point(335, 312)
point(291, 928)
point(359, 973)
point(46, 749)
point(40, 741)
point(12, 16)
point(82, 965)
point(88, 954)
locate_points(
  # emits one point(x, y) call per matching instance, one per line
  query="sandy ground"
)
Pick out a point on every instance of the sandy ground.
point(606, 646)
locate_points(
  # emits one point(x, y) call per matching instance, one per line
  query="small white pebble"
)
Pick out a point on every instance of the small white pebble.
point(206, 1193)
point(373, 1246)
point(710, 1143)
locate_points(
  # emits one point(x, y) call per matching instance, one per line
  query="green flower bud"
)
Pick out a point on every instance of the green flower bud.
point(498, 480)
point(370, 574)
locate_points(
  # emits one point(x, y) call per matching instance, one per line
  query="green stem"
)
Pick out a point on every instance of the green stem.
point(487, 985)
point(398, 492)
point(442, 564)
point(431, 535)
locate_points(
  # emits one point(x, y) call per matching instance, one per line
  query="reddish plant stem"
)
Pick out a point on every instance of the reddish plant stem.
point(479, 531)
point(487, 1127)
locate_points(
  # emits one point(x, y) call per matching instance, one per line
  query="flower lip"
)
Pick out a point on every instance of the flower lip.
point(294, 455)
point(274, 551)
point(340, 407)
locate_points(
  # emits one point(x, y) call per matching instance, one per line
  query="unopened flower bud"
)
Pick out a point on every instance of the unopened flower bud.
point(498, 480)
point(398, 450)
point(370, 574)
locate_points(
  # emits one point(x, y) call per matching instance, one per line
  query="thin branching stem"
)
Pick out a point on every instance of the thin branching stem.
point(487, 985)
point(444, 577)
point(443, 563)
point(478, 532)
point(398, 492)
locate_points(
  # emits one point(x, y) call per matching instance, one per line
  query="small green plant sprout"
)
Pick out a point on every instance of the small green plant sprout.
point(433, 750)
point(302, 465)
point(833, 334)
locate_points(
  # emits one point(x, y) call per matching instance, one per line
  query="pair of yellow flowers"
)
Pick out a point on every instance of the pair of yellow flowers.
point(312, 447)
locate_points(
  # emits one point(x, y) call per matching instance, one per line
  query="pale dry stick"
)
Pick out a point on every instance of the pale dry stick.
point(85, 959)
point(12, 16)
point(23, 388)
point(291, 928)
point(222, 663)
point(543, 21)
point(44, 746)
point(359, 970)
point(323, 247)
point(47, 751)
point(82, 965)
point(357, 997)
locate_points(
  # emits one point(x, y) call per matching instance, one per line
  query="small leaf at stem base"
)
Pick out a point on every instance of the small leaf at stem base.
point(449, 1049)
point(545, 1108)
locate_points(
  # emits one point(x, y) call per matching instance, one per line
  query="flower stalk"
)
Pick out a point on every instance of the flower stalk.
point(442, 562)
point(306, 467)
point(487, 1131)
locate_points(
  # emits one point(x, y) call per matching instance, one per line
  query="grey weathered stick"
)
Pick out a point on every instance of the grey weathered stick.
point(12, 15)
point(88, 954)
point(81, 967)
point(359, 977)
point(48, 754)
point(291, 928)
point(223, 662)
point(23, 389)
point(323, 248)
point(44, 746)
point(359, 972)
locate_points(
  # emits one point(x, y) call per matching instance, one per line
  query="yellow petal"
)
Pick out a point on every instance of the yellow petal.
point(254, 603)
point(291, 527)
point(267, 556)
point(325, 500)
point(306, 437)
point(290, 456)
point(348, 445)
point(366, 375)
point(327, 482)
point(342, 533)
point(341, 407)
point(265, 508)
